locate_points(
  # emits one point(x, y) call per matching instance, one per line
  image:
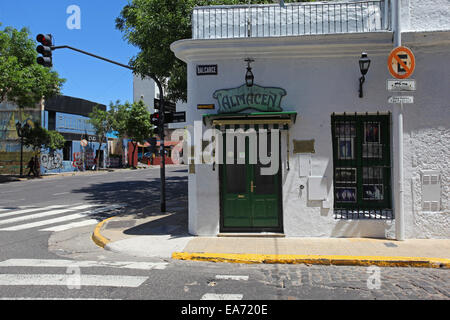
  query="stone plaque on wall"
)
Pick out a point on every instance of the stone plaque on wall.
point(304, 146)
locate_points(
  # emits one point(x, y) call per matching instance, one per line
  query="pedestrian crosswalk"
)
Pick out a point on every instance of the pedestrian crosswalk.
point(54, 218)
point(71, 274)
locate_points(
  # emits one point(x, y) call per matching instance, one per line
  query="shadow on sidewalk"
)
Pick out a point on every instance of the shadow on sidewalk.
point(141, 200)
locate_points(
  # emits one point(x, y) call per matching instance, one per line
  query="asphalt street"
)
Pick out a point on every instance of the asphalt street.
point(46, 252)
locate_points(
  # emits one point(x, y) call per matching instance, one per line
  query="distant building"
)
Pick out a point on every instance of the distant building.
point(70, 117)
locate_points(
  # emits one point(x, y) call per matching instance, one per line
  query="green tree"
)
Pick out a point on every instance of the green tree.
point(103, 122)
point(22, 80)
point(138, 127)
point(152, 25)
point(37, 138)
point(55, 141)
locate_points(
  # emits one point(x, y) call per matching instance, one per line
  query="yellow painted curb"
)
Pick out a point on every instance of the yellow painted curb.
point(100, 240)
point(317, 259)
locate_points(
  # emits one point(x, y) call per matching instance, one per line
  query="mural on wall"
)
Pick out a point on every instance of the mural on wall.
point(51, 161)
point(9, 140)
point(88, 160)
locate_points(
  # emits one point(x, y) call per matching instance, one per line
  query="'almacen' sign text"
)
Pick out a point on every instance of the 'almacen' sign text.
point(265, 99)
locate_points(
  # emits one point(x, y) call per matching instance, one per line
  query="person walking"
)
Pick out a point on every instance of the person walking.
point(31, 166)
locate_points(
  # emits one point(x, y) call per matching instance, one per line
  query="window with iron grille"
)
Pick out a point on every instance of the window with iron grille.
point(362, 166)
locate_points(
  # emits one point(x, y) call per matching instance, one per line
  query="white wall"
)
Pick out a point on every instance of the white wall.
point(320, 76)
point(144, 89)
point(420, 15)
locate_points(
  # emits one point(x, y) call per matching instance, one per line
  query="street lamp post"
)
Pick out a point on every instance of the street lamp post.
point(21, 131)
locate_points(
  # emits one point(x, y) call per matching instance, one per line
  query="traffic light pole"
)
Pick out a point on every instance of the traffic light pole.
point(161, 147)
point(161, 112)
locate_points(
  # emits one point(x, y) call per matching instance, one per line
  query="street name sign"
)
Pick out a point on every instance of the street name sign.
point(401, 99)
point(208, 69)
point(399, 85)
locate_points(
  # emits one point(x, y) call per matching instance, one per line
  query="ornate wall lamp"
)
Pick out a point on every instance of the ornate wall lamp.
point(364, 64)
point(249, 77)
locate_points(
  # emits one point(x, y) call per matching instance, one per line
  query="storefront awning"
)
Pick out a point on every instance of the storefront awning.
point(256, 118)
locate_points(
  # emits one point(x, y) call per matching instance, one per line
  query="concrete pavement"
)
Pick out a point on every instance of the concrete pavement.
point(151, 234)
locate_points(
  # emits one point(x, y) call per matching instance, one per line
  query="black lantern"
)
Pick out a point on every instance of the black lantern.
point(364, 64)
point(249, 77)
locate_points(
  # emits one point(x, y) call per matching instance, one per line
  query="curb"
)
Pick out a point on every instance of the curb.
point(100, 240)
point(417, 262)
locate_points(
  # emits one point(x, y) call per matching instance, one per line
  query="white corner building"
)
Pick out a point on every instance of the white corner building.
point(353, 154)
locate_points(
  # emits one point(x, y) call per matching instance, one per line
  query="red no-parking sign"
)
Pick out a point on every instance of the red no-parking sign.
point(401, 63)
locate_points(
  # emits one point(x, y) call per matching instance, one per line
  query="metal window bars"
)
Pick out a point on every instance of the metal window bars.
point(362, 169)
point(293, 19)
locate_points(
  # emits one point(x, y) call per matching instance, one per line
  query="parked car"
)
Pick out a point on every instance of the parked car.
point(147, 157)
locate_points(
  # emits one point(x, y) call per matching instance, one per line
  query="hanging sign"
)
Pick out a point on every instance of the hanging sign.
point(265, 99)
point(401, 63)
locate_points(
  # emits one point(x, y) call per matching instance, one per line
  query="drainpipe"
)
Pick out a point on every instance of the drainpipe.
point(399, 214)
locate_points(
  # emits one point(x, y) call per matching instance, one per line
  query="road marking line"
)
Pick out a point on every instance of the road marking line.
point(44, 214)
point(14, 213)
point(81, 223)
point(231, 277)
point(218, 296)
point(68, 279)
point(68, 299)
point(56, 220)
point(60, 263)
point(61, 193)
point(71, 225)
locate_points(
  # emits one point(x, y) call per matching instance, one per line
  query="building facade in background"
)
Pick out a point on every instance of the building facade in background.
point(70, 117)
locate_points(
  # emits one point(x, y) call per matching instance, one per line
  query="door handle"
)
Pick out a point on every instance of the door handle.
point(252, 186)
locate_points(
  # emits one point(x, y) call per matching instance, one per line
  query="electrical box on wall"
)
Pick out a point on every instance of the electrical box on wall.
point(431, 190)
point(317, 188)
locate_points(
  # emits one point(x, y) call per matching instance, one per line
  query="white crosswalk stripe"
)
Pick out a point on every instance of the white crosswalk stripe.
point(15, 213)
point(72, 225)
point(74, 274)
point(63, 215)
point(59, 263)
point(221, 296)
point(69, 280)
point(43, 214)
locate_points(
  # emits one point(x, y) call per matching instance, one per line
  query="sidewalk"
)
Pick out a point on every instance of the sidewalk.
point(150, 234)
point(5, 178)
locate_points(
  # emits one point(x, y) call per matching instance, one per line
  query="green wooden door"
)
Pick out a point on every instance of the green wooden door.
point(250, 200)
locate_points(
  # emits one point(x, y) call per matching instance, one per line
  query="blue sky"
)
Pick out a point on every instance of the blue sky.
point(87, 77)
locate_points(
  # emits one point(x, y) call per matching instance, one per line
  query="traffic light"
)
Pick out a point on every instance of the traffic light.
point(45, 48)
point(154, 120)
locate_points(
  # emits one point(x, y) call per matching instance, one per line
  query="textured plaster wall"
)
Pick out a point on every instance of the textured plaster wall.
point(420, 15)
point(427, 137)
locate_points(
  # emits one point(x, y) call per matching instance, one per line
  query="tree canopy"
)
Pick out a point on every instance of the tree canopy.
point(38, 137)
point(152, 25)
point(22, 80)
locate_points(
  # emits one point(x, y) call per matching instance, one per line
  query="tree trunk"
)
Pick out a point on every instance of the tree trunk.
point(132, 157)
